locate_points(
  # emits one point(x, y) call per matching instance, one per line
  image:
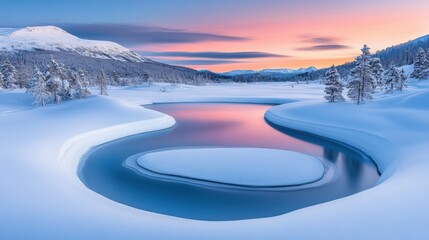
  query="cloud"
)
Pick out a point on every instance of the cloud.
point(131, 34)
point(316, 39)
point(196, 62)
point(323, 47)
point(320, 43)
point(214, 55)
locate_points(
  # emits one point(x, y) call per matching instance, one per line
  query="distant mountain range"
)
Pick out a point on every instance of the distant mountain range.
point(270, 71)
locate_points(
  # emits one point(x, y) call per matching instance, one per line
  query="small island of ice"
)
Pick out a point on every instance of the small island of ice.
point(248, 167)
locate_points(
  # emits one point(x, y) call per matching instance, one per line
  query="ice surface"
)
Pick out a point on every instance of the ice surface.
point(254, 167)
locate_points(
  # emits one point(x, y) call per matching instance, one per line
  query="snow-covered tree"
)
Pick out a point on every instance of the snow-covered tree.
point(102, 83)
point(56, 82)
point(82, 86)
point(377, 71)
point(146, 78)
point(402, 80)
point(421, 65)
point(395, 79)
point(1, 80)
point(392, 77)
point(9, 75)
point(362, 83)
point(38, 88)
point(116, 79)
point(333, 84)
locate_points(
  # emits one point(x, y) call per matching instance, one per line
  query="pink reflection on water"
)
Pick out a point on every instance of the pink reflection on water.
point(238, 119)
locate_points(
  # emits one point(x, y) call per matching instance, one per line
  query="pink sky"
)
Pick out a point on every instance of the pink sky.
point(288, 31)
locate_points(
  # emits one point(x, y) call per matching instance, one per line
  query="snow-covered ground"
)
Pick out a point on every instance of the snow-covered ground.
point(42, 198)
point(264, 167)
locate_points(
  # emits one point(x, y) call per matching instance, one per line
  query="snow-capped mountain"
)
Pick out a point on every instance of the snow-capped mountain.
point(51, 38)
point(238, 72)
point(31, 47)
point(270, 71)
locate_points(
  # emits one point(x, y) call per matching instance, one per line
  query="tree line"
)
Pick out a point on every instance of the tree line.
point(58, 83)
point(368, 75)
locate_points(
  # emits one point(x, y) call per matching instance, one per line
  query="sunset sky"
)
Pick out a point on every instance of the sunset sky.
point(222, 35)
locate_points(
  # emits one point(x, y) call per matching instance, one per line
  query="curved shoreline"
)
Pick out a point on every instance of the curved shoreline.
point(73, 152)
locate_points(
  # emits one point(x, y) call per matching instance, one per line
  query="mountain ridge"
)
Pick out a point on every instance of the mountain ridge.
point(51, 38)
point(269, 71)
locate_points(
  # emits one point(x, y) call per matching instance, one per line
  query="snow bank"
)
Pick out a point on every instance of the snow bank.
point(394, 132)
point(14, 101)
point(246, 167)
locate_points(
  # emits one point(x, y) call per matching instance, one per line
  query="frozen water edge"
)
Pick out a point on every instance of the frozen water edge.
point(280, 169)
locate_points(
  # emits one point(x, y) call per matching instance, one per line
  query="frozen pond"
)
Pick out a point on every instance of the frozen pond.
point(220, 125)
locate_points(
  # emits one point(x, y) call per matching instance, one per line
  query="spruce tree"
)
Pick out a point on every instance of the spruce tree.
point(82, 86)
point(38, 88)
point(102, 83)
point(116, 79)
point(145, 78)
point(391, 79)
point(333, 84)
point(9, 75)
point(377, 71)
point(420, 65)
point(362, 83)
point(56, 81)
point(402, 83)
point(1, 80)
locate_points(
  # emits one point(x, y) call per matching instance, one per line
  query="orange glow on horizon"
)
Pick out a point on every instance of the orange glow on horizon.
point(349, 25)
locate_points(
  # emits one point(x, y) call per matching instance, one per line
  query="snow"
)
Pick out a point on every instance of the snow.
point(249, 167)
point(270, 93)
point(51, 38)
point(42, 198)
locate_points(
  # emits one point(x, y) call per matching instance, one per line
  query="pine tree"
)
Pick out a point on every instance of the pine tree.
point(116, 79)
point(391, 79)
point(102, 83)
point(377, 71)
point(56, 81)
point(421, 65)
point(402, 81)
point(82, 86)
point(145, 78)
point(1, 80)
point(38, 88)
point(362, 82)
point(9, 75)
point(333, 84)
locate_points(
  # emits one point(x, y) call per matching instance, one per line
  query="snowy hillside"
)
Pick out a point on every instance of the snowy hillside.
point(270, 71)
point(51, 38)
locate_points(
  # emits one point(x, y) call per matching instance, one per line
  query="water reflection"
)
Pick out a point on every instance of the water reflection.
point(233, 125)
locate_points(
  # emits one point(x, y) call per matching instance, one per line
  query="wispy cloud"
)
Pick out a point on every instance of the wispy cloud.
point(317, 39)
point(131, 34)
point(215, 55)
point(320, 43)
point(323, 47)
point(197, 62)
